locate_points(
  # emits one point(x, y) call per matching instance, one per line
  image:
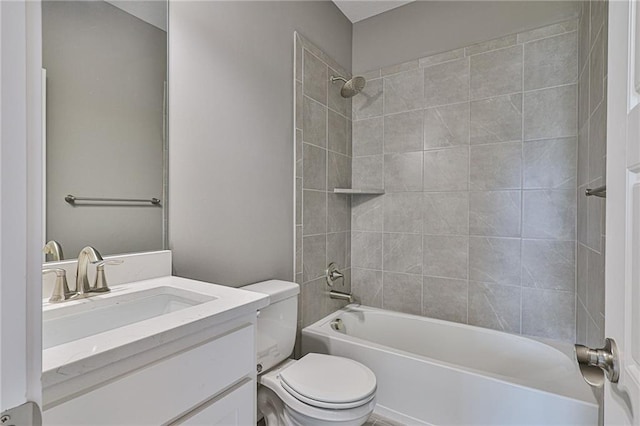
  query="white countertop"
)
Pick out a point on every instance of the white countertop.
point(72, 359)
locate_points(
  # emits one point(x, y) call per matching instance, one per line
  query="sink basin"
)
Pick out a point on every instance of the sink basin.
point(76, 321)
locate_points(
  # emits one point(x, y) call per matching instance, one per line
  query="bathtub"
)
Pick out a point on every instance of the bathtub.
point(442, 373)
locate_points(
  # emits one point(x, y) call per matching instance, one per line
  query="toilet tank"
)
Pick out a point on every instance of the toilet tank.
point(276, 323)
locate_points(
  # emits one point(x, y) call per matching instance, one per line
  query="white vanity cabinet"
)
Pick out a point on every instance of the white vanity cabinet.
point(210, 382)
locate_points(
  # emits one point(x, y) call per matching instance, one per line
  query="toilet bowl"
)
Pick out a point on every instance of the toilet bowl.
point(317, 389)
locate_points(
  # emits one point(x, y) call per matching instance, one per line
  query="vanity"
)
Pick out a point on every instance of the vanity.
point(163, 350)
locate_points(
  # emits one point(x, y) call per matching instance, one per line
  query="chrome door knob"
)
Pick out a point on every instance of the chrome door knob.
point(595, 364)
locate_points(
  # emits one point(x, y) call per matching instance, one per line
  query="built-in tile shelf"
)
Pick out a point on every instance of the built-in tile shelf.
point(358, 191)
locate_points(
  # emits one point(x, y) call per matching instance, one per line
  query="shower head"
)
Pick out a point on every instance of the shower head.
point(350, 87)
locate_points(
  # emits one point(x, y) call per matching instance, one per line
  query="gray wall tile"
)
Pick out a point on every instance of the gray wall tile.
point(315, 77)
point(314, 122)
point(549, 264)
point(494, 260)
point(314, 211)
point(595, 218)
point(494, 306)
point(446, 169)
point(315, 167)
point(403, 212)
point(548, 31)
point(403, 172)
point(549, 214)
point(339, 171)
point(367, 137)
point(582, 273)
point(595, 289)
point(402, 292)
point(596, 73)
point(446, 256)
point(490, 45)
point(496, 166)
point(584, 37)
point(598, 142)
point(404, 91)
point(337, 249)
point(550, 113)
point(550, 163)
point(581, 324)
point(298, 201)
point(366, 250)
point(446, 83)
point(581, 213)
point(496, 73)
point(337, 133)
point(496, 119)
point(367, 286)
point(402, 253)
point(583, 156)
point(446, 126)
point(441, 57)
point(446, 213)
point(583, 98)
point(445, 298)
point(298, 268)
point(338, 213)
point(495, 213)
point(399, 68)
point(298, 153)
point(403, 132)
point(548, 313)
point(368, 103)
point(367, 213)
point(551, 61)
point(314, 256)
point(368, 172)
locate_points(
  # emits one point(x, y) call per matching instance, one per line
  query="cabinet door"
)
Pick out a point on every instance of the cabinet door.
point(234, 408)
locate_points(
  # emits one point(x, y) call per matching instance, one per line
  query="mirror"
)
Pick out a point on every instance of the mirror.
point(105, 74)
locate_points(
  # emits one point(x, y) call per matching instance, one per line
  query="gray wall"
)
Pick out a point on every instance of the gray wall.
point(105, 85)
point(424, 28)
point(231, 177)
point(476, 150)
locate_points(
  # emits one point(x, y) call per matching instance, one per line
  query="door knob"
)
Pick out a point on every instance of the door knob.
point(595, 364)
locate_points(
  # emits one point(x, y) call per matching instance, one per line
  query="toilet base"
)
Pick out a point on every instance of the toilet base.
point(276, 413)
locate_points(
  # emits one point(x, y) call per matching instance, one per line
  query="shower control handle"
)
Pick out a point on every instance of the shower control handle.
point(595, 364)
point(332, 274)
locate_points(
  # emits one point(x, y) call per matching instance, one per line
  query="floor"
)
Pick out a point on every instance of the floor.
point(376, 420)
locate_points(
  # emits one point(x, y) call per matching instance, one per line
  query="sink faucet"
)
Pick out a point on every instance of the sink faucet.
point(54, 249)
point(87, 255)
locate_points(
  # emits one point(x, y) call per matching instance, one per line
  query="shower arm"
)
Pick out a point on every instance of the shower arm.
point(338, 78)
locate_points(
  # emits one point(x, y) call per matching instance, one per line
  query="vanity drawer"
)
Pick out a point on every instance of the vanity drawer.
point(167, 389)
point(233, 408)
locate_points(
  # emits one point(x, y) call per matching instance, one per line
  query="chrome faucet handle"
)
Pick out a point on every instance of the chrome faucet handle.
point(100, 285)
point(61, 290)
point(332, 274)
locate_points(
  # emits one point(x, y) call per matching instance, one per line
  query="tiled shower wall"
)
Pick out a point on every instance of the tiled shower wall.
point(592, 148)
point(476, 149)
point(323, 162)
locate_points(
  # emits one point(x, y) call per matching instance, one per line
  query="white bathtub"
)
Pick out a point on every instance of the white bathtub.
point(443, 373)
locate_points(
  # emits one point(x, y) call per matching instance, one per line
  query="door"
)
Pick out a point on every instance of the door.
point(20, 211)
point(622, 276)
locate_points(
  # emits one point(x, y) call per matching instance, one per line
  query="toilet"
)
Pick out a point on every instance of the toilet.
point(317, 389)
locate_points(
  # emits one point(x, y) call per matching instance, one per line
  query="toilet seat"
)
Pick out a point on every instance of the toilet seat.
point(328, 381)
point(354, 413)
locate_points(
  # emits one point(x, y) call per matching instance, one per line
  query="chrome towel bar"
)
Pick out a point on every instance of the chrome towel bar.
point(600, 191)
point(72, 199)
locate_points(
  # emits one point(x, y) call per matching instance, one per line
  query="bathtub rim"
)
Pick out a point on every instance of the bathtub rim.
point(584, 396)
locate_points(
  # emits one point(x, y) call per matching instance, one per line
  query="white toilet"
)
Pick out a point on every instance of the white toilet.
point(318, 389)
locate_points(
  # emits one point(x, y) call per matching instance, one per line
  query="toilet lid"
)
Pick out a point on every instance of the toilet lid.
point(329, 380)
